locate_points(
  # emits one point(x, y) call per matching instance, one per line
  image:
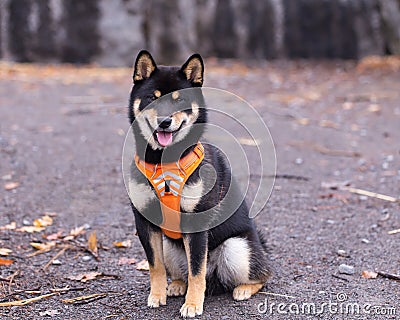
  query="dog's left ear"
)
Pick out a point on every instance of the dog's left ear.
point(193, 69)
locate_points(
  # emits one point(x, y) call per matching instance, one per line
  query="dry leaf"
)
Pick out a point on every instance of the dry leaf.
point(328, 124)
point(303, 121)
point(10, 226)
point(44, 221)
point(123, 244)
point(30, 229)
point(92, 243)
point(143, 265)
point(53, 236)
point(77, 231)
point(6, 262)
point(83, 277)
point(5, 251)
point(369, 274)
point(46, 246)
point(125, 260)
point(11, 185)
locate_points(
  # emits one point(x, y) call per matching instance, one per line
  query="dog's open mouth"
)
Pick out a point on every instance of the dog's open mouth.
point(164, 138)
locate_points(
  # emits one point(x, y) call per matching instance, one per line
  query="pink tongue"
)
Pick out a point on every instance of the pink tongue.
point(164, 138)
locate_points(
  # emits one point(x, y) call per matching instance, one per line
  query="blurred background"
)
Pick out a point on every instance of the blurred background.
point(110, 33)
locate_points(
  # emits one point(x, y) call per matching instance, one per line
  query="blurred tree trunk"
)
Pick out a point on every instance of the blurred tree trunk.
point(45, 46)
point(82, 40)
point(20, 38)
point(224, 35)
point(332, 29)
point(390, 13)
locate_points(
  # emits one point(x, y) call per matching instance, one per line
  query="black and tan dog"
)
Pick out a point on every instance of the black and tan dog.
point(230, 256)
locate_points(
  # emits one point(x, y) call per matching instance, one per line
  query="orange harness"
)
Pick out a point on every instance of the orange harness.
point(168, 180)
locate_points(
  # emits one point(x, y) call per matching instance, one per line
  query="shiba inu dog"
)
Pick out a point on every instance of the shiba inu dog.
point(230, 256)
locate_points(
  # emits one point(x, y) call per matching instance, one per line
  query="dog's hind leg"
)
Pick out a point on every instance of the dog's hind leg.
point(242, 267)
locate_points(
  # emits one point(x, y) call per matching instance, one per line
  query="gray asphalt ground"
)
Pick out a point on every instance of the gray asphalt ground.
point(61, 135)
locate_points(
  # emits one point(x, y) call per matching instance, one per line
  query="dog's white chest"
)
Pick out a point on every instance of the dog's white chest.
point(191, 195)
point(141, 194)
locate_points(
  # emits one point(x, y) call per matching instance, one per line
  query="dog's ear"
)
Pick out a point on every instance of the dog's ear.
point(193, 69)
point(144, 66)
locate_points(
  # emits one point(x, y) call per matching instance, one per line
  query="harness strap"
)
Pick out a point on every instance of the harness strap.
point(168, 180)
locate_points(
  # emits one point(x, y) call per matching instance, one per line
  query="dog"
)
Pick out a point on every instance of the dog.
point(228, 257)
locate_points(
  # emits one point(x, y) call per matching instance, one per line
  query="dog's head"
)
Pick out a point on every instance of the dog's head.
point(173, 119)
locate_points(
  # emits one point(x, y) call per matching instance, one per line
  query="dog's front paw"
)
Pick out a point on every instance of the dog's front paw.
point(176, 288)
point(191, 310)
point(155, 300)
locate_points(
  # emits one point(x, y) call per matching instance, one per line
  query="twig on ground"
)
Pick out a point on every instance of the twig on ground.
point(326, 151)
point(67, 289)
point(86, 299)
point(277, 294)
point(340, 278)
point(394, 231)
point(25, 301)
point(59, 253)
point(371, 194)
point(389, 275)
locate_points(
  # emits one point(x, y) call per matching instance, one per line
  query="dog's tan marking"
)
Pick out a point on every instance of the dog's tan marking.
point(176, 288)
point(196, 287)
point(158, 275)
point(157, 93)
point(175, 95)
point(245, 291)
point(136, 105)
point(195, 110)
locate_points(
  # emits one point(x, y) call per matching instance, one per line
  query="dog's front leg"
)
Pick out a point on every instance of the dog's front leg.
point(196, 247)
point(152, 243)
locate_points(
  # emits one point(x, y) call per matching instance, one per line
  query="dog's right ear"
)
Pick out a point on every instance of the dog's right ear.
point(144, 66)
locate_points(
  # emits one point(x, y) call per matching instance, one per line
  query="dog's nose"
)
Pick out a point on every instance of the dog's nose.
point(165, 123)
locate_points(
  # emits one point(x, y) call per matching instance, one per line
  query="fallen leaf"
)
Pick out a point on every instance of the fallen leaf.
point(6, 262)
point(43, 246)
point(143, 265)
point(374, 108)
point(123, 244)
point(30, 229)
point(53, 236)
point(10, 226)
point(369, 274)
point(44, 221)
point(125, 260)
point(303, 121)
point(328, 124)
point(11, 185)
point(92, 244)
point(77, 231)
point(50, 313)
point(83, 277)
point(249, 142)
point(5, 251)
point(25, 301)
